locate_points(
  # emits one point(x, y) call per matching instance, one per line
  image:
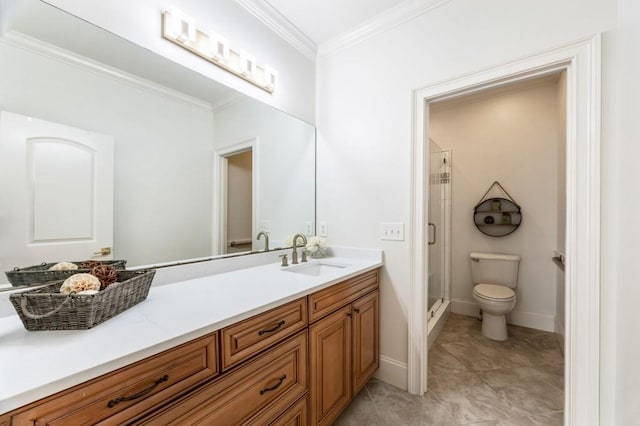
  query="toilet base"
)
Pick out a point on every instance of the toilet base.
point(494, 327)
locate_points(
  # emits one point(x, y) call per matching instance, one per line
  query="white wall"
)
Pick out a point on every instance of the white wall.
point(509, 136)
point(620, 372)
point(162, 188)
point(140, 22)
point(285, 165)
point(364, 118)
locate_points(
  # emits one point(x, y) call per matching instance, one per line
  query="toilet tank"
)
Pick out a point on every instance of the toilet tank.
point(495, 268)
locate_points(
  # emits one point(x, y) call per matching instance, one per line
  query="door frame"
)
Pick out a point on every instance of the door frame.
point(582, 62)
point(219, 216)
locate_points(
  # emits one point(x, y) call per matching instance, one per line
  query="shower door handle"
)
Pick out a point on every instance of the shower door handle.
point(434, 234)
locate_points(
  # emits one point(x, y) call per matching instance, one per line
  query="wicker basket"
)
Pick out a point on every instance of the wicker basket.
point(47, 309)
point(41, 273)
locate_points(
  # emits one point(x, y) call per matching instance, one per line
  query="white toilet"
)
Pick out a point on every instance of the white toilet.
point(494, 277)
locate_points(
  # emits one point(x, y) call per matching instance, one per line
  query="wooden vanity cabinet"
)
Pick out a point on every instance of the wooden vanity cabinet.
point(130, 392)
point(343, 345)
point(297, 415)
point(257, 392)
point(297, 364)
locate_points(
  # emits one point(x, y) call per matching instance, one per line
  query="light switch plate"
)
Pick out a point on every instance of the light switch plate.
point(308, 228)
point(392, 231)
point(323, 229)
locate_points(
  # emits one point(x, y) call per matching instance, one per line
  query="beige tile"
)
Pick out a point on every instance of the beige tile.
point(475, 381)
point(470, 399)
point(441, 361)
point(535, 377)
point(397, 407)
point(550, 419)
point(478, 354)
point(361, 411)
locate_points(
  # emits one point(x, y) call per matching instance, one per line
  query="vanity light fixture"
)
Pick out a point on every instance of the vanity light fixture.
point(247, 64)
point(182, 30)
point(271, 76)
point(179, 26)
point(218, 47)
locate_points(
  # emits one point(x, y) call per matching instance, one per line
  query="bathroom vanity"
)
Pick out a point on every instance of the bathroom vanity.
point(261, 345)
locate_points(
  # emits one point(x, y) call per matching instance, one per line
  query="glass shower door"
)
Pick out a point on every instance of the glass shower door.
point(438, 232)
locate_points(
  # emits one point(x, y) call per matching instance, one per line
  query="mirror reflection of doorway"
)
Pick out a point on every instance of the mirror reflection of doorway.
point(239, 200)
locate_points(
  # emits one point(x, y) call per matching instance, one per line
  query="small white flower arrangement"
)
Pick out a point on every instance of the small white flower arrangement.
point(316, 246)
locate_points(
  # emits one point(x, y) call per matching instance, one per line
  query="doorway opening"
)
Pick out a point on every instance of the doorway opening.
point(236, 201)
point(581, 61)
point(239, 202)
point(514, 134)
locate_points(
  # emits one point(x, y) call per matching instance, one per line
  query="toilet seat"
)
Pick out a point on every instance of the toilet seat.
point(494, 292)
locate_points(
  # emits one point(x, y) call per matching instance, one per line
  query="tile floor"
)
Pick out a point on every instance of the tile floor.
point(474, 381)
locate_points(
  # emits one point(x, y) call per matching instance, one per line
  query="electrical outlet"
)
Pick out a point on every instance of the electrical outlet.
point(323, 229)
point(308, 228)
point(264, 225)
point(392, 231)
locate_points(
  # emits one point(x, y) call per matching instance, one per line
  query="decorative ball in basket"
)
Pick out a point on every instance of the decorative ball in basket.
point(46, 272)
point(84, 305)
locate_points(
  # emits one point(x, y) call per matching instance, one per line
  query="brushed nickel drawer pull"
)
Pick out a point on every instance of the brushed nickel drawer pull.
point(142, 393)
point(271, 330)
point(274, 387)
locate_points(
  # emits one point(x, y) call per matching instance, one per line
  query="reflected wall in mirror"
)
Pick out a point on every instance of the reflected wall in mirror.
point(170, 146)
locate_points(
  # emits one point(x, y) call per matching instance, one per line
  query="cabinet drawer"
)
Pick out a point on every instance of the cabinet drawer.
point(272, 382)
point(325, 301)
point(297, 415)
point(247, 338)
point(131, 391)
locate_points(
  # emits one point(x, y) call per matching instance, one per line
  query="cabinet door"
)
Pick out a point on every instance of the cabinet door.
point(365, 339)
point(330, 356)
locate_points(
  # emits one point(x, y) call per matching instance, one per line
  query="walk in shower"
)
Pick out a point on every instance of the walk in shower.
point(439, 282)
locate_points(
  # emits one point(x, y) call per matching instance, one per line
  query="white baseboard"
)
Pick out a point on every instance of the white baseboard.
point(392, 372)
point(516, 317)
point(560, 334)
point(462, 307)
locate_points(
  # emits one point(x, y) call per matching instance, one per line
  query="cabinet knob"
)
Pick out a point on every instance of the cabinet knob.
point(356, 310)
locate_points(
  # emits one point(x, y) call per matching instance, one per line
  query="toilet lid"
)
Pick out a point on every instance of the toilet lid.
point(494, 292)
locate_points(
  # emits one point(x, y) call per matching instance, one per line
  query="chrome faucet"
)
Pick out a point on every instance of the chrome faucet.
point(266, 239)
point(294, 254)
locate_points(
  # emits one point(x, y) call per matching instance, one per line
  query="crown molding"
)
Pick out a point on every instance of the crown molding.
point(39, 47)
point(379, 24)
point(277, 23)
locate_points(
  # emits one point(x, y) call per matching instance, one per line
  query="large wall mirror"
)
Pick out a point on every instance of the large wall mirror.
point(197, 170)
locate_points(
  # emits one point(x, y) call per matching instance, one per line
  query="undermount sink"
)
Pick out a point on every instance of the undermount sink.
point(316, 268)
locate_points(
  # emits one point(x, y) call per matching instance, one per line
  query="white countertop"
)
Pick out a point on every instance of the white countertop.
point(35, 364)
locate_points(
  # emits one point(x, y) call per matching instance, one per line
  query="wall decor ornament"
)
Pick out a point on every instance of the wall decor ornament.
point(497, 216)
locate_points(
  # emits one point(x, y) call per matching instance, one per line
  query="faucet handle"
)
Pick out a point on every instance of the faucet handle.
point(285, 261)
point(304, 256)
